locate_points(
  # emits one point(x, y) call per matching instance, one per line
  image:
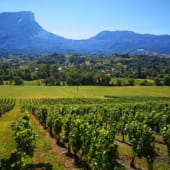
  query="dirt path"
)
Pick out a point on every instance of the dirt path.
point(65, 161)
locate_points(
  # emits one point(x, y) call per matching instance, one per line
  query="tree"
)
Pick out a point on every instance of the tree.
point(167, 81)
point(18, 81)
point(1, 81)
point(27, 74)
point(118, 82)
point(50, 81)
point(102, 79)
point(131, 82)
point(157, 81)
point(139, 72)
point(144, 83)
point(88, 79)
point(73, 77)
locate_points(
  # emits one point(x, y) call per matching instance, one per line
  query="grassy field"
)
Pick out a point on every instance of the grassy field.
point(44, 156)
point(124, 81)
point(31, 83)
point(82, 91)
point(7, 143)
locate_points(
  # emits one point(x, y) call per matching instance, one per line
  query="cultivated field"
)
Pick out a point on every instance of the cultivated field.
point(81, 101)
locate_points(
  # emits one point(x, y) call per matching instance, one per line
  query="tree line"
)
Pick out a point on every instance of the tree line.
point(75, 69)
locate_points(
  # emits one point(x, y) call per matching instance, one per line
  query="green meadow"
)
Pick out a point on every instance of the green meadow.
point(82, 91)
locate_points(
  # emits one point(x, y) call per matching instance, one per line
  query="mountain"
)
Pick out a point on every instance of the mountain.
point(130, 42)
point(19, 32)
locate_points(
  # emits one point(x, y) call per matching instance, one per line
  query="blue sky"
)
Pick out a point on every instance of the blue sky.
point(84, 18)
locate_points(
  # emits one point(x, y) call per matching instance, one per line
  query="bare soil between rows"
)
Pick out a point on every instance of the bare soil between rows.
point(61, 152)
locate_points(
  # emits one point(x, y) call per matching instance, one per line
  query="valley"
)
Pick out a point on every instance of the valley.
point(99, 100)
